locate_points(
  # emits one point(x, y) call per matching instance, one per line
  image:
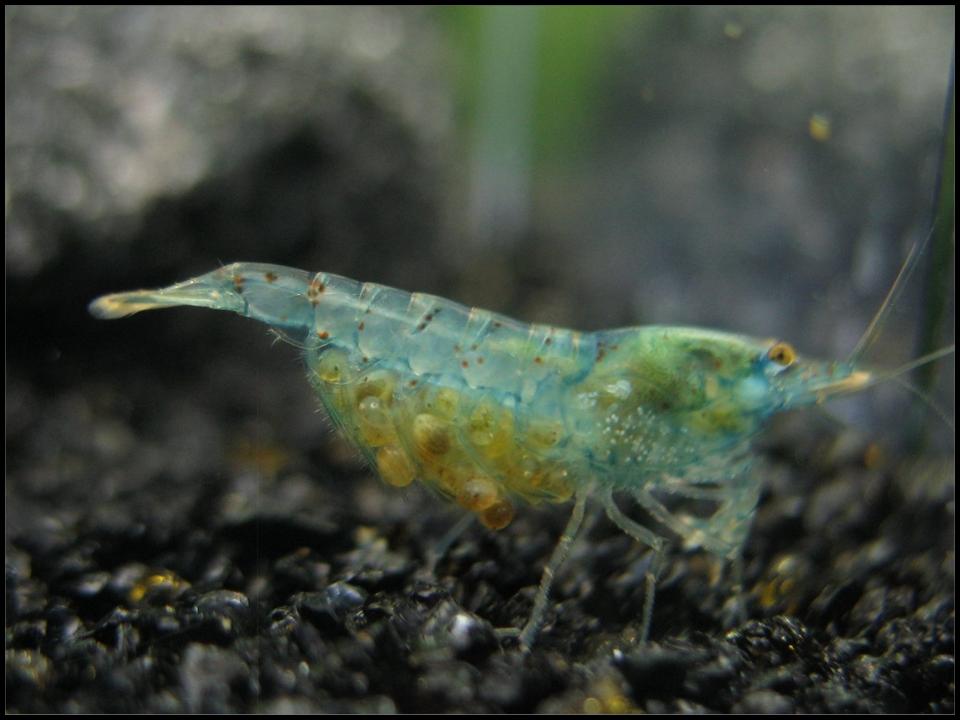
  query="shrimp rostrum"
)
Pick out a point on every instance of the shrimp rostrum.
point(493, 413)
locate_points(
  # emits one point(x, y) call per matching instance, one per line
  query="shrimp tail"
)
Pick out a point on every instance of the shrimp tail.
point(273, 294)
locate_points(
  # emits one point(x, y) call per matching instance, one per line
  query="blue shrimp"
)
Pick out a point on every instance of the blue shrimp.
point(491, 412)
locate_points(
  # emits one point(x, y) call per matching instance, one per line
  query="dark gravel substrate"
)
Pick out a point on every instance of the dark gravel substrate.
point(308, 589)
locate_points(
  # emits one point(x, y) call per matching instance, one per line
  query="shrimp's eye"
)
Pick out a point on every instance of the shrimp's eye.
point(782, 354)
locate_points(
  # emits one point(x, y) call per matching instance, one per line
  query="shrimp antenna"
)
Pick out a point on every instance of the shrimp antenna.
point(938, 411)
point(922, 360)
point(866, 379)
point(909, 265)
point(897, 376)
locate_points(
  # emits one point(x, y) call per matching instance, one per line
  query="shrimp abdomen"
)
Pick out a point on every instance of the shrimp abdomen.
point(273, 294)
point(469, 401)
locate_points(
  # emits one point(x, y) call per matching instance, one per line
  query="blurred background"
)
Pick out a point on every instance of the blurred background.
point(761, 170)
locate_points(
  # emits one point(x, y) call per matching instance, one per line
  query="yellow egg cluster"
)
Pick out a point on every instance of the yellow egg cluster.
point(469, 450)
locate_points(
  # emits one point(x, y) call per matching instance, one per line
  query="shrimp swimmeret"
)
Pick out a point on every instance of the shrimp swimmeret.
point(491, 412)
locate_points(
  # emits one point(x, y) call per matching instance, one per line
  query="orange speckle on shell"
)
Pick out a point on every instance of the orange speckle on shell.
point(314, 291)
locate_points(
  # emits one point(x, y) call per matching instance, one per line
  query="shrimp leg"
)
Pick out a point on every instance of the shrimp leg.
point(530, 630)
point(649, 538)
point(435, 554)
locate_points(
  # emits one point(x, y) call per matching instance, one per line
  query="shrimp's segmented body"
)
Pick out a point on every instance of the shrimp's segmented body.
point(491, 412)
point(469, 402)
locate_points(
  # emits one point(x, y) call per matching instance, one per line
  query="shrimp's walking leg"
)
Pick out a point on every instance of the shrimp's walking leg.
point(436, 553)
point(652, 540)
point(728, 543)
point(529, 632)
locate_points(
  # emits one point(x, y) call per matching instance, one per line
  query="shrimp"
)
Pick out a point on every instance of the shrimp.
point(490, 412)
